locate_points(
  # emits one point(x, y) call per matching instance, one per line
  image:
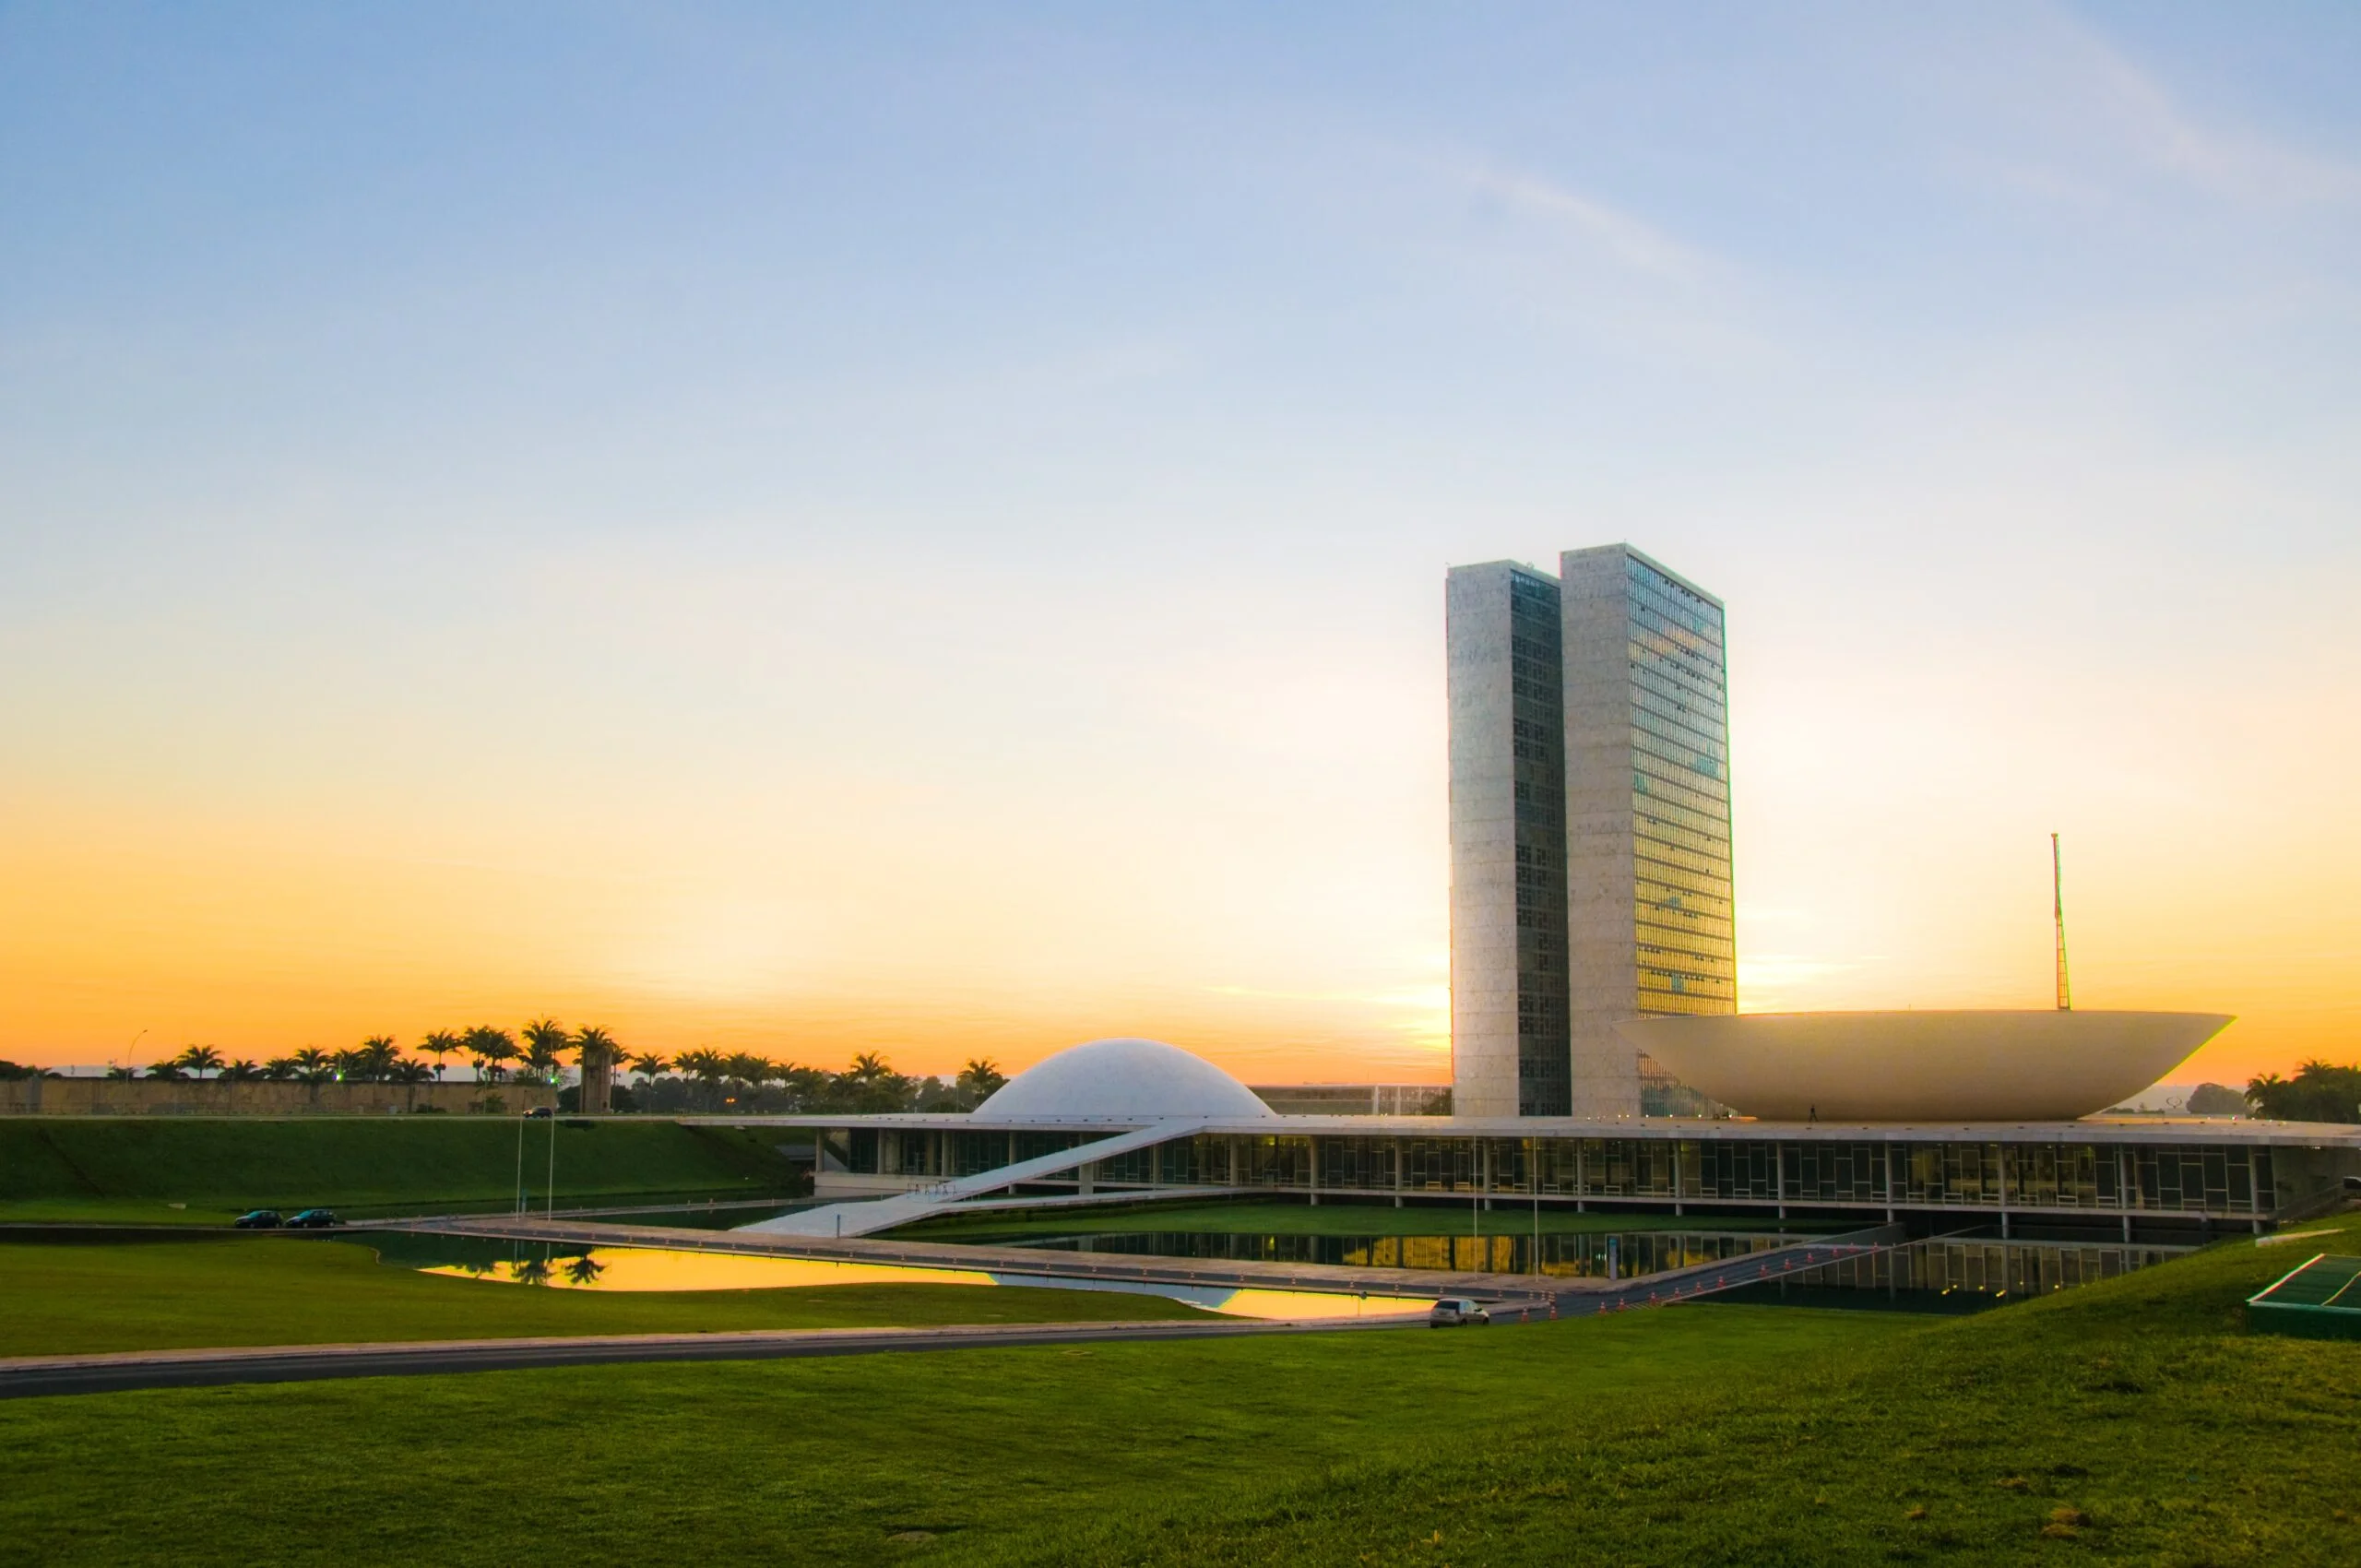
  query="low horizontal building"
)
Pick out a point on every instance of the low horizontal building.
point(1135, 1120)
point(1355, 1099)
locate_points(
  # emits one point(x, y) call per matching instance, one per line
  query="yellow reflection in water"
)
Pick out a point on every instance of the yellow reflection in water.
point(1318, 1303)
point(643, 1268)
point(635, 1268)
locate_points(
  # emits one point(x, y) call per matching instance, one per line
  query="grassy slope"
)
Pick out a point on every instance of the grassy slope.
point(2136, 1421)
point(1732, 1434)
point(1282, 1219)
point(57, 1299)
point(129, 1167)
point(809, 1461)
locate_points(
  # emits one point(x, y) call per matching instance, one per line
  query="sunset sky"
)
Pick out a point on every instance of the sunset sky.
point(808, 529)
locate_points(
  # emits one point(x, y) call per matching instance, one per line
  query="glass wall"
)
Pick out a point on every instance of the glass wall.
point(1276, 1161)
point(1356, 1164)
point(1681, 797)
point(1439, 1165)
point(2173, 1178)
point(1537, 722)
point(1852, 1172)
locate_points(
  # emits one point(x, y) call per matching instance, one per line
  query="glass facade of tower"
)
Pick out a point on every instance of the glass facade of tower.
point(1680, 798)
point(1544, 1070)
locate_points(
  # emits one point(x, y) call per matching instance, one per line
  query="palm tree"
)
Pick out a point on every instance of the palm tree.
point(170, 1069)
point(490, 1048)
point(243, 1071)
point(280, 1069)
point(439, 1044)
point(410, 1070)
point(707, 1068)
point(377, 1056)
point(649, 1067)
point(312, 1065)
point(980, 1078)
point(869, 1085)
point(201, 1060)
point(544, 1040)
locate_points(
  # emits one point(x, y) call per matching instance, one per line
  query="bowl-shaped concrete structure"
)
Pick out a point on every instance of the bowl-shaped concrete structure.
point(1142, 1080)
point(2044, 1066)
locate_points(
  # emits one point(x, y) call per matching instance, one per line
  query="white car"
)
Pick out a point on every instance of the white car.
point(1454, 1312)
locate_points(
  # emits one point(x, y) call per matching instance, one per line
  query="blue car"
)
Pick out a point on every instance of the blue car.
point(313, 1219)
point(258, 1220)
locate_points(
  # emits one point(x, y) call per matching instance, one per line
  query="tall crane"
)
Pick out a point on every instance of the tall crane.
point(2057, 908)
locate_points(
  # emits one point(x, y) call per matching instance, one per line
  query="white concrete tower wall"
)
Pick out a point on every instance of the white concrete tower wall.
point(1602, 956)
point(1508, 978)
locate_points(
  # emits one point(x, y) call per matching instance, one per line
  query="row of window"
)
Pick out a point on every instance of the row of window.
point(1689, 729)
point(1696, 760)
point(1649, 622)
point(2172, 1177)
point(1652, 807)
point(1657, 779)
point(1654, 894)
point(2194, 1178)
point(1701, 684)
point(1673, 598)
point(1654, 851)
point(1650, 650)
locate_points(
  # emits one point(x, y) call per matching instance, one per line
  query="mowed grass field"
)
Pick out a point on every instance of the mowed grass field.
point(136, 1168)
point(61, 1300)
point(2134, 1421)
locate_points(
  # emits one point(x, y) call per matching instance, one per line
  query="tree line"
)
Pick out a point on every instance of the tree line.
point(693, 1081)
point(2319, 1092)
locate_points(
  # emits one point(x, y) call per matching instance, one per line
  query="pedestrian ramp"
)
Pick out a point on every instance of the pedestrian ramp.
point(867, 1216)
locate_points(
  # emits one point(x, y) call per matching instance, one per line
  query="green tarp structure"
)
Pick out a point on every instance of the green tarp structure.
point(2320, 1299)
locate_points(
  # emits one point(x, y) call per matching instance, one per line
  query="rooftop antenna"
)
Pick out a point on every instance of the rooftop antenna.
point(2057, 908)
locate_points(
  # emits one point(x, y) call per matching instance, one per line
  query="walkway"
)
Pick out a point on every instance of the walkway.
point(866, 1217)
point(27, 1376)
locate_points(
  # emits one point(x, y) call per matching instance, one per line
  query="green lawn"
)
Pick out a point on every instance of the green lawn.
point(2135, 1421)
point(134, 1167)
point(57, 1300)
point(1260, 1217)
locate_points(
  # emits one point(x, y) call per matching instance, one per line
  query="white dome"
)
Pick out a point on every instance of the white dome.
point(1120, 1080)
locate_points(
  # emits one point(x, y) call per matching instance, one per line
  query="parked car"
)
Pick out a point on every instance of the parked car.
point(258, 1220)
point(539, 1113)
point(1455, 1312)
point(313, 1219)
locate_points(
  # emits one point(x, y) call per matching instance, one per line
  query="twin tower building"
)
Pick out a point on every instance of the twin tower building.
point(1590, 825)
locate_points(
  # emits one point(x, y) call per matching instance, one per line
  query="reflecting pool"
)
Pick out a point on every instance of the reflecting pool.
point(654, 1268)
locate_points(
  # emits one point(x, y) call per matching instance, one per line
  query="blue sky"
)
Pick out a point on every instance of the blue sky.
point(825, 524)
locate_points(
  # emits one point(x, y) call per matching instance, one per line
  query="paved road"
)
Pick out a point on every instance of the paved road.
point(26, 1376)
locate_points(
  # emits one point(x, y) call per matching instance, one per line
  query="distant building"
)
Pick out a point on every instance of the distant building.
point(1590, 821)
point(1356, 1099)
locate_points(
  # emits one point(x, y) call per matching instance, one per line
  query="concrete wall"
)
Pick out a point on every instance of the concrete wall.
point(1483, 843)
point(1600, 895)
point(157, 1097)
